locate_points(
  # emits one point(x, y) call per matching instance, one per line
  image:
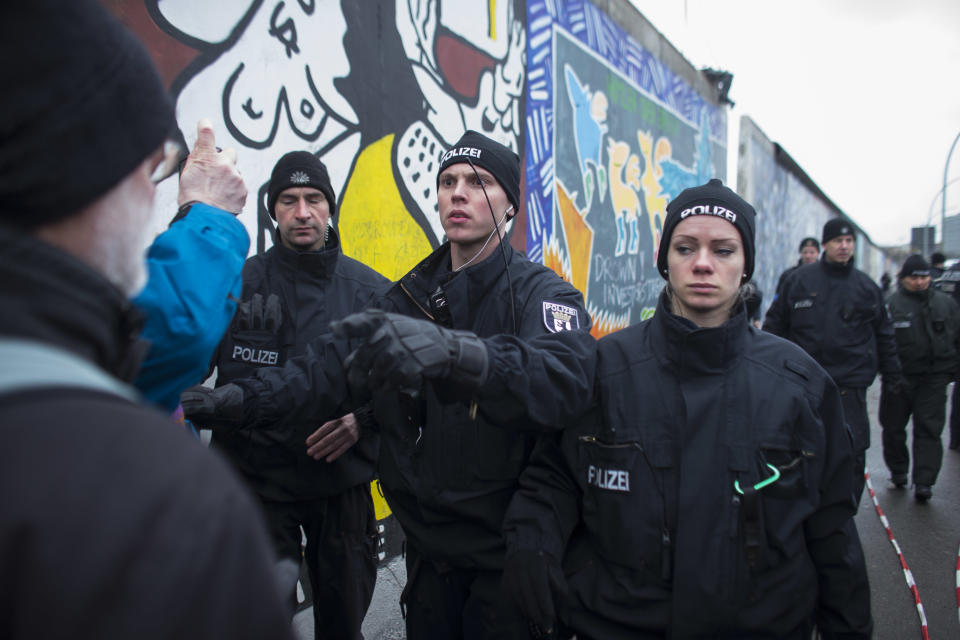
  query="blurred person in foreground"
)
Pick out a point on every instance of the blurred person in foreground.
point(113, 525)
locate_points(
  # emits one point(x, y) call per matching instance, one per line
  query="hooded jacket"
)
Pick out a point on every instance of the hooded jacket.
point(651, 498)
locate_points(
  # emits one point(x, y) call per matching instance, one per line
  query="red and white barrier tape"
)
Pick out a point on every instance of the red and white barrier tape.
point(907, 574)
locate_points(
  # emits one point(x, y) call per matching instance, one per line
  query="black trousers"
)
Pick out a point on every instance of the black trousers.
point(854, 402)
point(926, 400)
point(456, 604)
point(341, 555)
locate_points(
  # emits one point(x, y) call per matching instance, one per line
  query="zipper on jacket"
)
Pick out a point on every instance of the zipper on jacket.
point(610, 445)
point(414, 301)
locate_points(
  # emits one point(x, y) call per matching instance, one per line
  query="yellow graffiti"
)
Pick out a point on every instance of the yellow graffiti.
point(380, 506)
point(375, 226)
point(492, 9)
point(652, 173)
point(579, 237)
point(624, 176)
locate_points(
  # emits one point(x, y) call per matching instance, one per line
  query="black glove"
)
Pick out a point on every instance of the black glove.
point(894, 384)
point(531, 578)
point(213, 408)
point(398, 352)
point(256, 315)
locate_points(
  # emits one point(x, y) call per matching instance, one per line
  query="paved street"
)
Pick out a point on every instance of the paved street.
point(928, 535)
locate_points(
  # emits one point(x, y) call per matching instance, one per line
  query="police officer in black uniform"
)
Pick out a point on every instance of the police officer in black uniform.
point(447, 470)
point(809, 252)
point(949, 283)
point(290, 295)
point(703, 485)
point(837, 314)
point(927, 325)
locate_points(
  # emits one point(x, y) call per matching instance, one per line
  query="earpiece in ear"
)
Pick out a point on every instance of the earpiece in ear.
point(509, 213)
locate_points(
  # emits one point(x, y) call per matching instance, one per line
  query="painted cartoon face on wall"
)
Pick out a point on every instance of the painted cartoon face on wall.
point(468, 59)
point(269, 88)
point(282, 75)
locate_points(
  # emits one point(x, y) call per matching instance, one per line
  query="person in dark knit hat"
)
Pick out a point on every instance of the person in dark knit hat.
point(937, 261)
point(836, 313)
point(290, 295)
point(661, 460)
point(146, 521)
point(927, 324)
point(450, 482)
point(809, 253)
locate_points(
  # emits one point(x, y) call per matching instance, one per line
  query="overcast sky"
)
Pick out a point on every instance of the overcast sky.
point(863, 94)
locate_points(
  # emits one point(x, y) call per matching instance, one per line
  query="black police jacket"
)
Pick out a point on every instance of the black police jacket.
point(314, 287)
point(837, 314)
point(927, 326)
point(659, 498)
point(447, 472)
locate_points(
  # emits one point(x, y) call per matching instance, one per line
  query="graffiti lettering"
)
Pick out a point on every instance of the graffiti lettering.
point(286, 33)
point(308, 6)
point(625, 296)
point(614, 269)
point(249, 110)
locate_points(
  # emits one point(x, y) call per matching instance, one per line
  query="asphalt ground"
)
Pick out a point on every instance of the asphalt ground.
point(928, 535)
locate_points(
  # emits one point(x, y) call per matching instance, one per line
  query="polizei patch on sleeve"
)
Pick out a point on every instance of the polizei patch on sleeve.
point(608, 479)
point(254, 355)
point(560, 317)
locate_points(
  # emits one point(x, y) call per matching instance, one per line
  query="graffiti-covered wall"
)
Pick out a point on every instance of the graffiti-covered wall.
point(378, 90)
point(612, 135)
point(609, 131)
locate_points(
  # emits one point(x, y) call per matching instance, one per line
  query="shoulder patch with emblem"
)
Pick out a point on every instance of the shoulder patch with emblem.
point(560, 317)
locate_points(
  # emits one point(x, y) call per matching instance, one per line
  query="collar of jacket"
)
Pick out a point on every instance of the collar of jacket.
point(686, 348)
point(51, 297)
point(924, 295)
point(321, 263)
point(835, 268)
point(478, 279)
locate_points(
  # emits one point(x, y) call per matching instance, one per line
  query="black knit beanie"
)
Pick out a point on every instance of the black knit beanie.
point(915, 265)
point(836, 227)
point(809, 242)
point(711, 199)
point(299, 169)
point(83, 106)
point(484, 152)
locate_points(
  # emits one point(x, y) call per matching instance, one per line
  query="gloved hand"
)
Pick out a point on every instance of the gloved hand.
point(213, 408)
point(531, 578)
point(894, 384)
point(398, 352)
point(255, 315)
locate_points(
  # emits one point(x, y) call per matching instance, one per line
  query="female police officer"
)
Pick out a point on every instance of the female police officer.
point(703, 489)
point(708, 492)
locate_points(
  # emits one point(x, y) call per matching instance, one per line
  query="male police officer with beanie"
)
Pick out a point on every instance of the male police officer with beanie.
point(809, 252)
point(927, 325)
point(446, 470)
point(290, 295)
point(113, 524)
point(837, 314)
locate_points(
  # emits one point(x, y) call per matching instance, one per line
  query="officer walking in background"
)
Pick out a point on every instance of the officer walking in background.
point(837, 314)
point(290, 295)
point(949, 283)
point(927, 325)
point(809, 252)
point(937, 260)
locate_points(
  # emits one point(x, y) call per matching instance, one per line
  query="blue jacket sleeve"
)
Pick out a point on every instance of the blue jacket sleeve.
point(193, 274)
